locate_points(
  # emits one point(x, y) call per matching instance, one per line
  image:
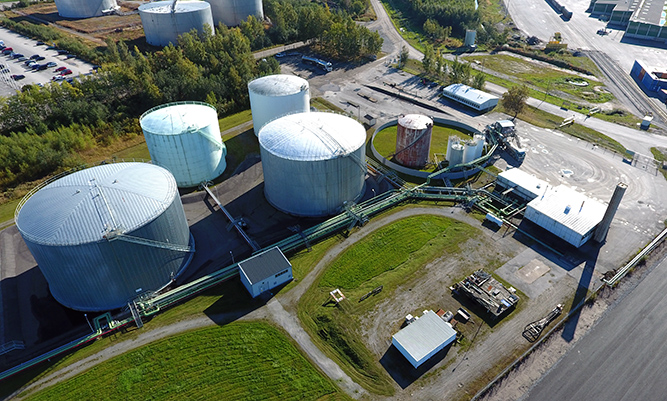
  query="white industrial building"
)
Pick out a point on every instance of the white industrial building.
point(265, 271)
point(85, 8)
point(275, 96)
point(566, 213)
point(521, 184)
point(165, 21)
point(423, 338)
point(471, 97)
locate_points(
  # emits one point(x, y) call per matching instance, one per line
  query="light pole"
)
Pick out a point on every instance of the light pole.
point(232, 254)
point(89, 325)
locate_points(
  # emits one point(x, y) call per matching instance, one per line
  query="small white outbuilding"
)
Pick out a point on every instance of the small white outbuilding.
point(265, 271)
point(423, 338)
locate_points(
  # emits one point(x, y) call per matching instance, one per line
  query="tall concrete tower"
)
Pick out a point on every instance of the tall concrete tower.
point(601, 232)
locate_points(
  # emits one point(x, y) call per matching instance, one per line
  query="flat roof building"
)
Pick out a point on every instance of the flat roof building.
point(643, 19)
point(521, 184)
point(423, 338)
point(265, 271)
point(654, 79)
point(471, 97)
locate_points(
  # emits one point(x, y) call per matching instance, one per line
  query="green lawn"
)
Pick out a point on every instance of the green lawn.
point(390, 257)
point(7, 210)
point(239, 361)
point(322, 104)
point(660, 155)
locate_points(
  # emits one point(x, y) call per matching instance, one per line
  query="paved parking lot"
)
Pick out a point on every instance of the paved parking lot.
point(29, 47)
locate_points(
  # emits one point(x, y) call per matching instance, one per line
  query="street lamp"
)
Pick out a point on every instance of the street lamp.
point(89, 325)
point(232, 254)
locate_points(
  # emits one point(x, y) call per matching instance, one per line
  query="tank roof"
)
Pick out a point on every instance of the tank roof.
point(164, 7)
point(415, 121)
point(312, 136)
point(177, 118)
point(84, 206)
point(278, 85)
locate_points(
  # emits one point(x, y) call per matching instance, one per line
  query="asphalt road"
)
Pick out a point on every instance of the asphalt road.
point(622, 358)
point(28, 47)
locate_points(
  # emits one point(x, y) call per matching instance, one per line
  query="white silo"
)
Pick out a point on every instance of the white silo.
point(275, 96)
point(184, 138)
point(451, 141)
point(313, 162)
point(85, 8)
point(164, 21)
point(233, 12)
point(479, 148)
point(104, 235)
point(469, 148)
point(456, 154)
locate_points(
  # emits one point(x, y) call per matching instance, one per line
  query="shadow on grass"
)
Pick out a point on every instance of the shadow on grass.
point(403, 373)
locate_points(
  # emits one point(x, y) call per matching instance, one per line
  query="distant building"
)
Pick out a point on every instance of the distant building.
point(653, 79)
point(423, 338)
point(641, 19)
point(471, 97)
point(265, 271)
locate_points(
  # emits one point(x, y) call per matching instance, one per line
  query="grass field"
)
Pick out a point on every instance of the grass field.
point(385, 140)
point(239, 361)
point(660, 154)
point(389, 257)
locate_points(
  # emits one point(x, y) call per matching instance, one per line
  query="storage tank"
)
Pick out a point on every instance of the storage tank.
point(413, 140)
point(275, 96)
point(103, 235)
point(471, 34)
point(479, 149)
point(473, 148)
point(85, 8)
point(452, 140)
point(313, 162)
point(164, 21)
point(232, 12)
point(456, 156)
point(184, 138)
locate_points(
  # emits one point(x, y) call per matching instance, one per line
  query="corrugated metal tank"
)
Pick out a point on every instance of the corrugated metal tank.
point(452, 140)
point(275, 96)
point(313, 162)
point(232, 12)
point(84, 8)
point(103, 235)
point(184, 138)
point(162, 25)
point(456, 154)
point(413, 140)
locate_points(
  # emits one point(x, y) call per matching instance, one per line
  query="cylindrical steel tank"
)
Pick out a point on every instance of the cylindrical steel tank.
point(471, 34)
point(456, 156)
point(184, 138)
point(103, 235)
point(275, 96)
point(163, 23)
point(233, 12)
point(469, 149)
point(479, 149)
point(85, 8)
point(413, 140)
point(452, 140)
point(313, 162)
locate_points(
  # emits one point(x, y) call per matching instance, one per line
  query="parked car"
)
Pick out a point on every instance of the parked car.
point(29, 63)
point(22, 58)
point(42, 67)
point(57, 78)
point(34, 56)
point(7, 50)
point(61, 68)
point(51, 48)
point(51, 64)
point(39, 43)
point(62, 52)
point(69, 56)
point(18, 77)
point(4, 71)
point(17, 55)
point(66, 72)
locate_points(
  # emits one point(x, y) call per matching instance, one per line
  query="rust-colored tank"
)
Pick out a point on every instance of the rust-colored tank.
point(413, 140)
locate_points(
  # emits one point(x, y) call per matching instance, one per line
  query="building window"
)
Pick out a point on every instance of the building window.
point(282, 272)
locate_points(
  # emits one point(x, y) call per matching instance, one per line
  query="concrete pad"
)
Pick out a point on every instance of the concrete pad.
point(532, 271)
point(550, 276)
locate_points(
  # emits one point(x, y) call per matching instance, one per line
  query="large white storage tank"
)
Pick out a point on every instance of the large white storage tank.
point(473, 148)
point(313, 162)
point(103, 235)
point(233, 12)
point(85, 8)
point(184, 138)
point(413, 140)
point(275, 96)
point(164, 21)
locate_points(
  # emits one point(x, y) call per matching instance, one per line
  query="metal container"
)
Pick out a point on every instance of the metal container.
point(473, 148)
point(164, 21)
point(313, 162)
point(85, 8)
point(452, 140)
point(233, 12)
point(184, 138)
point(456, 154)
point(413, 140)
point(275, 96)
point(104, 235)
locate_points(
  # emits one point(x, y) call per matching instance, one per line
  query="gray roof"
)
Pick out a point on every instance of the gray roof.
point(424, 335)
point(278, 85)
point(474, 95)
point(264, 265)
point(570, 208)
point(82, 207)
point(651, 12)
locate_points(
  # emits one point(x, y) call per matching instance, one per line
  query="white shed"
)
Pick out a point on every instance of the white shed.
point(423, 338)
point(471, 97)
point(265, 271)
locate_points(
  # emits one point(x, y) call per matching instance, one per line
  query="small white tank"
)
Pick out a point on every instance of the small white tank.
point(275, 96)
point(456, 156)
point(164, 22)
point(452, 140)
point(233, 12)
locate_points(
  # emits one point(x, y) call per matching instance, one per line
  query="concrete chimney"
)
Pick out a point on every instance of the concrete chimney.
point(601, 232)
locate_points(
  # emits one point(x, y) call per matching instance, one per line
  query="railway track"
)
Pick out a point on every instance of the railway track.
point(626, 86)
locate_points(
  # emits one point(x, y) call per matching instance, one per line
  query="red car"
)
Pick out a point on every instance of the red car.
point(66, 72)
point(60, 69)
